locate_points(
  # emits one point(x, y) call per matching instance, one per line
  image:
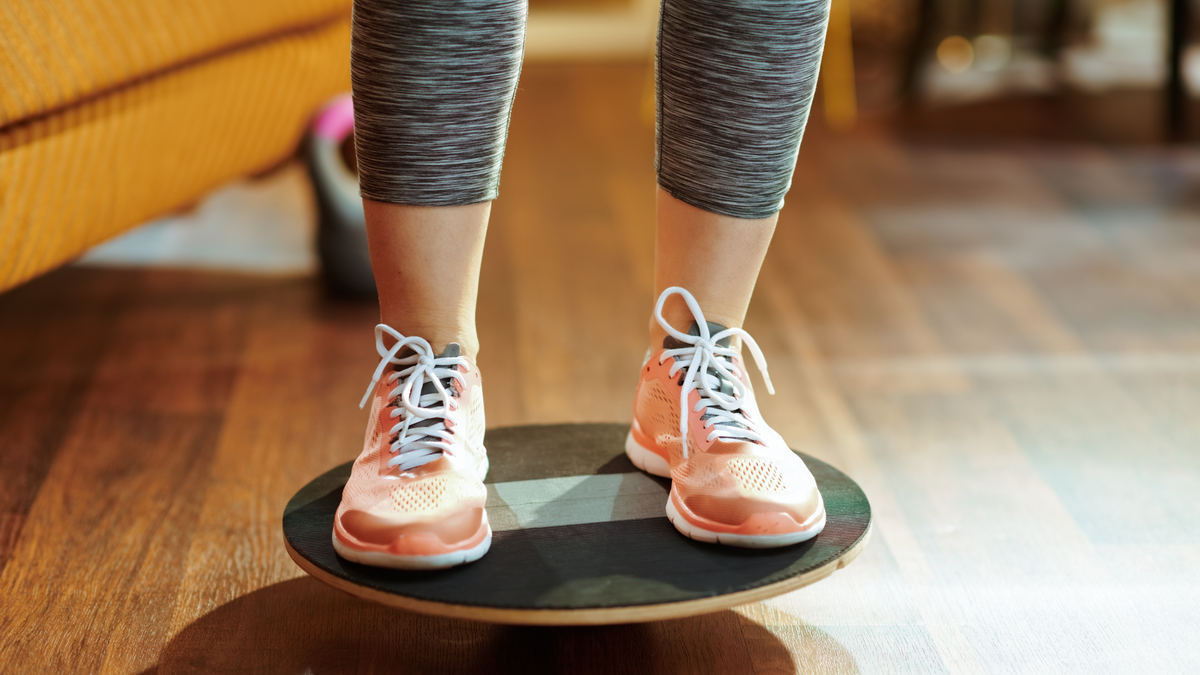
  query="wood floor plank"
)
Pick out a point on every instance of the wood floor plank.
point(840, 648)
point(566, 246)
point(980, 306)
point(854, 456)
point(293, 410)
point(854, 298)
point(105, 534)
point(497, 326)
point(66, 333)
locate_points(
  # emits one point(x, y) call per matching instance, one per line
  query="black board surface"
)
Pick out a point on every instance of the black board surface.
point(628, 555)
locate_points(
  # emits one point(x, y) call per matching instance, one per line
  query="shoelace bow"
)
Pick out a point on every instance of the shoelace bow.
point(702, 353)
point(415, 445)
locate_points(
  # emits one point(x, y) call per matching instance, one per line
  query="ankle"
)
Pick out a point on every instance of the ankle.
point(439, 337)
point(682, 322)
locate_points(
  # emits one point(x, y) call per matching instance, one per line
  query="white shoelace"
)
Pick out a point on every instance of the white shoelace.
point(415, 446)
point(702, 353)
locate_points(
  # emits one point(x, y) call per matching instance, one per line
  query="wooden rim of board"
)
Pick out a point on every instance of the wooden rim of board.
point(720, 577)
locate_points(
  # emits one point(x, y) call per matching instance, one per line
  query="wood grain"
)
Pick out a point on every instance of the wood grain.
point(999, 341)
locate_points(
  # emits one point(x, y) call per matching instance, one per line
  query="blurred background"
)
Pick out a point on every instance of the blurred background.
point(1121, 72)
point(980, 303)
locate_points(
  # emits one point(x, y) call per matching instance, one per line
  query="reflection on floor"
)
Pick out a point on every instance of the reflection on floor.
point(999, 342)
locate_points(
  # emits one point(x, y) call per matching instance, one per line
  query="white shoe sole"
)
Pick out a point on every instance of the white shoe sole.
point(645, 459)
point(414, 562)
point(651, 462)
point(741, 540)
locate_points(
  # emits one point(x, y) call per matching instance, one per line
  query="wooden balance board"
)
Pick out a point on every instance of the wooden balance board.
point(580, 538)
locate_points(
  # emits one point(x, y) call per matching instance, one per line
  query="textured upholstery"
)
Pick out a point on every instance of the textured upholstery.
point(53, 52)
point(115, 113)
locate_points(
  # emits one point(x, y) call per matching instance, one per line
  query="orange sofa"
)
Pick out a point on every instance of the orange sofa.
point(115, 112)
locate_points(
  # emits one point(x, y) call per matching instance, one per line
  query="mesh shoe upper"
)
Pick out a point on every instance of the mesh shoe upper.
point(721, 481)
point(730, 472)
point(436, 506)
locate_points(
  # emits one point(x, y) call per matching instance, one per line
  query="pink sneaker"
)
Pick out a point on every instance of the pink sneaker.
point(415, 498)
point(735, 481)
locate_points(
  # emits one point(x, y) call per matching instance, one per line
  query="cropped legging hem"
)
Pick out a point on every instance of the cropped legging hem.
point(735, 81)
point(747, 211)
point(406, 199)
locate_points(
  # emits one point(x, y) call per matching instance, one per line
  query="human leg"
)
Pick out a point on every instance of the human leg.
point(735, 83)
point(426, 262)
point(716, 257)
point(433, 87)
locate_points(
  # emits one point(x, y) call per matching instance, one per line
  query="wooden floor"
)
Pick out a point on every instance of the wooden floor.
point(1001, 343)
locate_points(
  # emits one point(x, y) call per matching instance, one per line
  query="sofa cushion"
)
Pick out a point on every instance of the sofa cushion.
point(53, 53)
point(73, 177)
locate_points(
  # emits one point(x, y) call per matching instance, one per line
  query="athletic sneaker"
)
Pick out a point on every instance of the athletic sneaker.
point(415, 498)
point(735, 481)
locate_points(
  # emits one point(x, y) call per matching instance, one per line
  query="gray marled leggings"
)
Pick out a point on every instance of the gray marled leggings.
point(434, 82)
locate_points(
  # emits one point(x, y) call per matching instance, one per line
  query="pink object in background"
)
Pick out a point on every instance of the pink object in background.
point(336, 120)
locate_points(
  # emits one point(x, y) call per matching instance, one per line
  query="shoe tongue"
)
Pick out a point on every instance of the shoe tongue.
point(670, 342)
point(452, 351)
